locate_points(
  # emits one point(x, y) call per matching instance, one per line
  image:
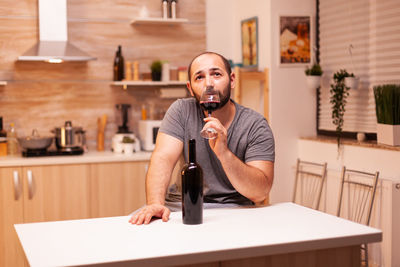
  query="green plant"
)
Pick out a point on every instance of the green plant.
point(315, 70)
point(387, 103)
point(339, 93)
point(156, 66)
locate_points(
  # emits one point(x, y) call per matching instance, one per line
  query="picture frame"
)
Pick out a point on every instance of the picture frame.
point(249, 33)
point(295, 40)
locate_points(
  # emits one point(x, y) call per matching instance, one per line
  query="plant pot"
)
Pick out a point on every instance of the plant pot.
point(351, 82)
point(156, 76)
point(313, 81)
point(388, 134)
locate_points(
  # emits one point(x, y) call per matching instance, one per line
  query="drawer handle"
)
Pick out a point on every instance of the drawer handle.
point(31, 186)
point(17, 185)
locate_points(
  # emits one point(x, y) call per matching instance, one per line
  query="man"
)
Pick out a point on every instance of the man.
point(238, 165)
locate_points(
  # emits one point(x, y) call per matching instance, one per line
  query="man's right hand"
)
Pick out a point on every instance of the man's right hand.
point(144, 215)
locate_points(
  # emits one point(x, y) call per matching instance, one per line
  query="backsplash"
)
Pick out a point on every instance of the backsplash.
point(43, 95)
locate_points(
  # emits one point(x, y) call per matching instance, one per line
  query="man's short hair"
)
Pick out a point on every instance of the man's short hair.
point(224, 60)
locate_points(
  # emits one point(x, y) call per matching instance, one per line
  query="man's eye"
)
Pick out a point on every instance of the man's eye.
point(198, 77)
point(217, 74)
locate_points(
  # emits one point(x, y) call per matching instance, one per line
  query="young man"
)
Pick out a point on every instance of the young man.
point(238, 165)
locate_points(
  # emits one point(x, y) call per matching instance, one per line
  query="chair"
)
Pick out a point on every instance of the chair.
point(309, 181)
point(356, 199)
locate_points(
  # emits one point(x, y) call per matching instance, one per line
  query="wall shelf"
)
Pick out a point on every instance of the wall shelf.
point(158, 21)
point(3, 83)
point(125, 84)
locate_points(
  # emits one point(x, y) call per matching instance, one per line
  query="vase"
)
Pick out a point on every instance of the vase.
point(156, 76)
point(351, 82)
point(388, 134)
point(313, 81)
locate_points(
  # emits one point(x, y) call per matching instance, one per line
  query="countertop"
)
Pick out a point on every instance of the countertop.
point(88, 157)
point(225, 234)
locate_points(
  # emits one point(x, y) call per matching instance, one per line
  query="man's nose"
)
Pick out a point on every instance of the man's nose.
point(209, 81)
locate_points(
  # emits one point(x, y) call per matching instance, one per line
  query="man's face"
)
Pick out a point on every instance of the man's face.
point(208, 70)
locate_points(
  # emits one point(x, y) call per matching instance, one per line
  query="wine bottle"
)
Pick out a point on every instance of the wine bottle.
point(119, 65)
point(192, 189)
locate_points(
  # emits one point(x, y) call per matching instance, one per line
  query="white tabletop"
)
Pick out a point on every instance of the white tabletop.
point(224, 234)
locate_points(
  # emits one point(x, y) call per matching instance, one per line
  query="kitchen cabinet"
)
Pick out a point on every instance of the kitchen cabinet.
point(56, 192)
point(11, 212)
point(65, 192)
point(117, 188)
point(37, 194)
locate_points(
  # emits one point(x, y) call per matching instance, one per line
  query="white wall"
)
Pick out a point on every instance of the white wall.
point(292, 105)
point(223, 27)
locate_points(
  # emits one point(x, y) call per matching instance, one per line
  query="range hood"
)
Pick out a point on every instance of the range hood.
point(53, 45)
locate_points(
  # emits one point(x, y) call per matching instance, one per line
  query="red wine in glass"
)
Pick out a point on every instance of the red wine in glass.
point(210, 106)
point(209, 101)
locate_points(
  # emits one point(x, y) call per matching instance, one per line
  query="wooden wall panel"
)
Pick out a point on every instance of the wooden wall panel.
point(42, 95)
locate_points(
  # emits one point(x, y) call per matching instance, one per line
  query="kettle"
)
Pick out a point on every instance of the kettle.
point(69, 138)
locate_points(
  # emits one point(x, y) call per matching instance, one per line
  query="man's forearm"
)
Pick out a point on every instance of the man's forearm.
point(157, 179)
point(250, 181)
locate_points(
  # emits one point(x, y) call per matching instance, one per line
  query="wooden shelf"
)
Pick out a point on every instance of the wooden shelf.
point(3, 83)
point(158, 21)
point(125, 84)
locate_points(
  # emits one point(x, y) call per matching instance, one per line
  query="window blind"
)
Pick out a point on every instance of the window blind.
point(363, 37)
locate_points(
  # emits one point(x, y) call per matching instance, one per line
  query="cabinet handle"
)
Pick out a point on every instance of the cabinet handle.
point(30, 184)
point(17, 185)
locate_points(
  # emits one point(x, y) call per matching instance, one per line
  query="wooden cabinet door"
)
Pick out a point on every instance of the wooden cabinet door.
point(56, 192)
point(117, 188)
point(11, 212)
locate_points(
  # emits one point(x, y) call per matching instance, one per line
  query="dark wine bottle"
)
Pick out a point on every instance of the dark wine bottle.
point(192, 189)
point(119, 65)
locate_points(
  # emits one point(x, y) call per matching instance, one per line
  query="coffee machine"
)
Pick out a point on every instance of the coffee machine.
point(124, 141)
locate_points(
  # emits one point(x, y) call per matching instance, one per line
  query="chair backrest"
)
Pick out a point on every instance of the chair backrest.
point(309, 181)
point(356, 195)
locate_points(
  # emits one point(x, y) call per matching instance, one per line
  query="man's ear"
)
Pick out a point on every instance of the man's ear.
point(232, 79)
point(189, 87)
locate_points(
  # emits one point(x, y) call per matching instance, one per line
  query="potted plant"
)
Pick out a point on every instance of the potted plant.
point(313, 76)
point(351, 81)
point(156, 68)
point(339, 93)
point(387, 106)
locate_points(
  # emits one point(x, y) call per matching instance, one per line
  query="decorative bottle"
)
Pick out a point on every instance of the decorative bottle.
point(12, 142)
point(192, 189)
point(119, 65)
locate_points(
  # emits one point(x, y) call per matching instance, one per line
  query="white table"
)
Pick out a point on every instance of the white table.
point(226, 234)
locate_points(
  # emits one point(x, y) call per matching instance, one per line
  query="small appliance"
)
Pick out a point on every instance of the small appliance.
point(148, 130)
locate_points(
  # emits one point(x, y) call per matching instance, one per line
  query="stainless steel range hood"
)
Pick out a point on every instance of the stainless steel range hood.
point(53, 45)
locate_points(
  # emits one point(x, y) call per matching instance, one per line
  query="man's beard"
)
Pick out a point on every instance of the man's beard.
point(224, 97)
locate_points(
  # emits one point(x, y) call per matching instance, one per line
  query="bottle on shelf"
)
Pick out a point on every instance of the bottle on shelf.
point(119, 65)
point(12, 142)
point(173, 9)
point(3, 139)
point(192, 189)
point(164, 9)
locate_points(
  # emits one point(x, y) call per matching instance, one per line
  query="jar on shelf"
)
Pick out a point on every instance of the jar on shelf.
point(182, 74)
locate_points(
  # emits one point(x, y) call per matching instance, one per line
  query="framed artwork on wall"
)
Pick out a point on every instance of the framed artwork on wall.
point(249, 32)
point(295, 40)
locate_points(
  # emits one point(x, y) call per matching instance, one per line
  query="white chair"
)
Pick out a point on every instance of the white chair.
point(309, 181)
point(356, 199)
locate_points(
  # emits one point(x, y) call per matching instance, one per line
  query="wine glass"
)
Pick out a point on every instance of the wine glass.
point(209, 101)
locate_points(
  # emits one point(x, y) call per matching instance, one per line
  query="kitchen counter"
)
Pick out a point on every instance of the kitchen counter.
point(226, 234)
point(89, 157)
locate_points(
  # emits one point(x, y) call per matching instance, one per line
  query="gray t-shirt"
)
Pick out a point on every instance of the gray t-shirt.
point(249, 138)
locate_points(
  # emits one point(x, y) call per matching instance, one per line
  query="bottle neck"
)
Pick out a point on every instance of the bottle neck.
point(192, 151)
